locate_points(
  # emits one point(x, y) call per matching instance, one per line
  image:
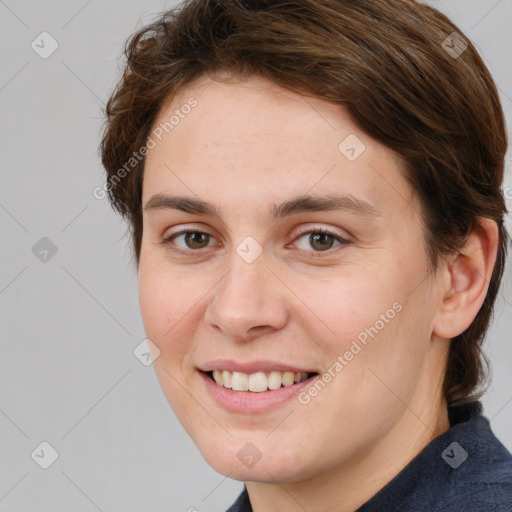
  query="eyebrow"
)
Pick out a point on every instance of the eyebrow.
point(300, 204)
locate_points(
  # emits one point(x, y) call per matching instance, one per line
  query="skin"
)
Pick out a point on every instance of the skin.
point(248, 145)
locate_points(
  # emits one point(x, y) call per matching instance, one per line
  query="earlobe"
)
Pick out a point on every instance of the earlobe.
point(466, 282)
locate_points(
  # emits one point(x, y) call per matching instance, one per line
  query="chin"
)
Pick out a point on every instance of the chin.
point(245, 462)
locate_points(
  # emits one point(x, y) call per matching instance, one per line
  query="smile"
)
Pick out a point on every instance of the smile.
point(263, 397)
point(257, 382)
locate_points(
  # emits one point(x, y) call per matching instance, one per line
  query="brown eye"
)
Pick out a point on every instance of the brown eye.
point(188, 241)
point(196, 239)
point(319, 240)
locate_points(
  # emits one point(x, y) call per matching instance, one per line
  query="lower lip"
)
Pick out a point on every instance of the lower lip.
point(250, 401)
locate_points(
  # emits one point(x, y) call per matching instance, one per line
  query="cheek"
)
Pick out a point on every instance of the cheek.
point(171, 308)
point(166, 313)
point(154, 302)
point(376, 324)
point(352, 307)
point(163, 302)
point(162, 291)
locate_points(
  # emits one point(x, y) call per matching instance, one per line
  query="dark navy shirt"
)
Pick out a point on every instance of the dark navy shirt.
point(466, 469)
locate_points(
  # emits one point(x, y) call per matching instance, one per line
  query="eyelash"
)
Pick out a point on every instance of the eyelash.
point(167, 241)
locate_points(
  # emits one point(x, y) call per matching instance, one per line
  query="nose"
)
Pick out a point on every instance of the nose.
point(248, 302)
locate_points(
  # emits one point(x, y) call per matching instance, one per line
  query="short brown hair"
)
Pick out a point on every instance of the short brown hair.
point(388, 63)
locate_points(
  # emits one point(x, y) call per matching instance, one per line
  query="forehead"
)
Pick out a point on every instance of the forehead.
point(257, 141)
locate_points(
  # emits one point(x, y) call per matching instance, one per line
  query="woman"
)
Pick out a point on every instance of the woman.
point(313, 190)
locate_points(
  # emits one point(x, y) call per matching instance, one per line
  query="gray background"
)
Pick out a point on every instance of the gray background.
point(70, 324)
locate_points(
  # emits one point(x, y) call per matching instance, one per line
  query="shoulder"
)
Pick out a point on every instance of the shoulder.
point(484, 482)
point(492, 499)
point(466, 469)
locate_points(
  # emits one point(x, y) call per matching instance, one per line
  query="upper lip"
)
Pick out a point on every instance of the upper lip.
point(251, 366)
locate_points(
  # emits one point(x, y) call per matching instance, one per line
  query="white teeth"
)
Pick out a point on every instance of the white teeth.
point(274, 380)
point(217, 375)
point(239, 381)
point(288, 378)
point(257, 382)
point(226, 377)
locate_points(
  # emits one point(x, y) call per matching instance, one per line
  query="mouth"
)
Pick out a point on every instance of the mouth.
point(258, 382)
point(254, 387)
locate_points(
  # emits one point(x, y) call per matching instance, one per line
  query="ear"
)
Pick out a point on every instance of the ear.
point(465, 280)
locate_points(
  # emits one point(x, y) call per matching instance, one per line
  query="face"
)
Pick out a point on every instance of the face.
point(297, 263)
